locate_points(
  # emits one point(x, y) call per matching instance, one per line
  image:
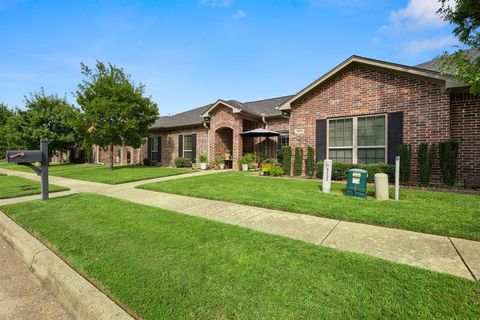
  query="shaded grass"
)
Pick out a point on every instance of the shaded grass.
point(101, 173)
point(11, 187)
point(164, 265)
point(442, 213)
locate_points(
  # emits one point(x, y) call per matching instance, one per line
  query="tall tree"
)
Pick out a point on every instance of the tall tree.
point(45, 117)
point(5, 115)
point(115, 109)
point(463, 65)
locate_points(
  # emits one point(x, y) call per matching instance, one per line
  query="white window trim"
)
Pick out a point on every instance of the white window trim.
point(183, 145)
point(354, 147)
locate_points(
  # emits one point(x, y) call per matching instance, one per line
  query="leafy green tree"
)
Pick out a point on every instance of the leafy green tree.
point(45, 117)
point(50, 117)
point(465, 16)
point(5, 115)
point(114, 107)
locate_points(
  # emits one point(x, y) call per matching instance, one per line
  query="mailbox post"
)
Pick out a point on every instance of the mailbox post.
point(27, 157)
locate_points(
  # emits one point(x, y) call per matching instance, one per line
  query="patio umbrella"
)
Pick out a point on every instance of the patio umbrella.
point(260, 132)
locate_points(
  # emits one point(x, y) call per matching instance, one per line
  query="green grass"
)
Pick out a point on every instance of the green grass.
point(440, 213)
point(11, 187)
point(165, 265)
point(101, 173)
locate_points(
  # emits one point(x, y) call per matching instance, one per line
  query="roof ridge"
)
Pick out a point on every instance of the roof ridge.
point(252, 101)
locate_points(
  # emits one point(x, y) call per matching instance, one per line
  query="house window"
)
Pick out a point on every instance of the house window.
point(188, 147)
point(283, 139)
point(154, 148)
point(357, 139)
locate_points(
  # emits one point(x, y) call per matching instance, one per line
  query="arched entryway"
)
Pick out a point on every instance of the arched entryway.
point(224, 143)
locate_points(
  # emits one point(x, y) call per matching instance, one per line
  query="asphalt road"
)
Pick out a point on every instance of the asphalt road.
point(21, 295)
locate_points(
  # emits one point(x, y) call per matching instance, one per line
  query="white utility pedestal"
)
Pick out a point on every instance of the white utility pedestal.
point(381, 186)
point(327, 176)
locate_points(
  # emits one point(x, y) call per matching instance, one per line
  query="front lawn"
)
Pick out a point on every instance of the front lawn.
point(440, 213)
point(11, 187)
point(165, 265)
point(101, 173)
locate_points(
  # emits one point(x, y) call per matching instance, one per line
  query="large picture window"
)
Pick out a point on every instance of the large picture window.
point(357, 139)
point(188, 147)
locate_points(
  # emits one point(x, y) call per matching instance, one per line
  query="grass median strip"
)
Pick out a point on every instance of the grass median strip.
point(11, 187)
point(164, 264)
point(439, 213)
point(101, 173)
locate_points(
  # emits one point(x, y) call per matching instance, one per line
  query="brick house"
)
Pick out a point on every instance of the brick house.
point(357, 112)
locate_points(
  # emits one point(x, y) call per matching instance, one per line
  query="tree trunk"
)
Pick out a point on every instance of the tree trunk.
point(111, 158)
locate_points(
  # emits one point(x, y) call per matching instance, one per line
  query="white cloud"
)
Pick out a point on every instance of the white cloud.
point(216, 3)
point(239, 14)
point(419, 14)
point(435, 43)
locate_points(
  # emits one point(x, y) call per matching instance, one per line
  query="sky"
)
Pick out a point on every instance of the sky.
point(193, 52)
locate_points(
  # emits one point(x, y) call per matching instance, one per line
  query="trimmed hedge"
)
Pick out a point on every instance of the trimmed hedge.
point(448, 152)
point(182, 162)
point(340, 170)
point(298, 161)
point(405, 152)
point(426, 157)
point(310, 164)
point(287, 159)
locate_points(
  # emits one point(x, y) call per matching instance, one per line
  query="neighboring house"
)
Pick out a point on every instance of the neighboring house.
point(357, 112)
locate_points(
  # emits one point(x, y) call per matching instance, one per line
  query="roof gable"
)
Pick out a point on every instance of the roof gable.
point(391, 67)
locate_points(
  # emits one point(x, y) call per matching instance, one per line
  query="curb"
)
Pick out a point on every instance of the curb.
point(79, 297)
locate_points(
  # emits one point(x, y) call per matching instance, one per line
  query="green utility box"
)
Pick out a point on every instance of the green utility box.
point(357, 183)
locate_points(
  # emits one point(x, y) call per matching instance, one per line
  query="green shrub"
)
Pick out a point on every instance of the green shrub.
point(203, 158)
point(271, 170)
point(287, 159)
point(182, 162)
point(147, 162)
point(298, 161)
point(405, 152)
point(340, 170)
point(426, 157)
point(276, 171)
point(310, 163)
point(448, 152)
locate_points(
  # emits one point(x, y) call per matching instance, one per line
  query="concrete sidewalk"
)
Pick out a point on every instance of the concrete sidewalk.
point(438, 253)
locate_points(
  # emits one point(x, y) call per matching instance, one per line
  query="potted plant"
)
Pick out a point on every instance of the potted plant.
point(203, 161)
point(245, 161)
point(221, 162)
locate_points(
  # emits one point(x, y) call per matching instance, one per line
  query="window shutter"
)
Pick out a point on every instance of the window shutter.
point(159, 149)
point(194, 148)
point(395, 134)
point(149, 148)
point(321, 139)
point(180, 145)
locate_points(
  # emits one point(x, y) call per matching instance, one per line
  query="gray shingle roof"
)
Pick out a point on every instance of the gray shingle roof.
point(268, 107)
point(434, 65)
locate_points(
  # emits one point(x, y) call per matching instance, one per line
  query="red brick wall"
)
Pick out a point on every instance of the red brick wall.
point(361, 90)
point(170, 143)
point(465, 119)
point(120, 155)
